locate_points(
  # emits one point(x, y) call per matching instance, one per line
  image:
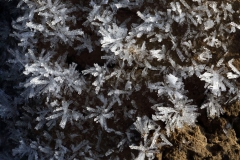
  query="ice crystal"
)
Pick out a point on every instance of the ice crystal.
point(102, 113)
point(66, 114)
point(50, 78)
point(214, 80)
point(98, 72)
point(230, 75)
point(173, 86)
point(112, 37)
point(149, 147)
point(177, 115)
point(213, 106)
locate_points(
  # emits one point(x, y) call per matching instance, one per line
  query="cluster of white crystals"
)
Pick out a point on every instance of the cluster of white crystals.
point(150, 49)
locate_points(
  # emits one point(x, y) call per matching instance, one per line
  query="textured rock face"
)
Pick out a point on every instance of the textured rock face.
point(106, 79)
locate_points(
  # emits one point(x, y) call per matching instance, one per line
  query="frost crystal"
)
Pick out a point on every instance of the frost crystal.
point(144, 125)
point(150, 146)
point(98, 72)
point(112, 37)
point(51, 78)
point(62, 111)
point(213, 106)
point(208, 24)
point(205, 55)
point(173, 86)
point(178, 115)
point(214, 80)
point(230, 75)
point(102, 113)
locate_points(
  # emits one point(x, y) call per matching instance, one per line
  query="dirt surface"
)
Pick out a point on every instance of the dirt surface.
point(212, 142)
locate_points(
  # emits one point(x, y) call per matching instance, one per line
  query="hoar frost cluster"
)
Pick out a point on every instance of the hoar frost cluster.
point(133, 101)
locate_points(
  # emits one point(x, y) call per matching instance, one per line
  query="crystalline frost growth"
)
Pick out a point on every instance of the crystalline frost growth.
point(54, 18)
point(150, 145)
point(102, 113)
point(98, 72)
point(173, 86)
point(230, 75)
point(214, 80)
point(177, 116)
point(112, 37)
point(213, 107)
point(64, 112)
point(51, 78)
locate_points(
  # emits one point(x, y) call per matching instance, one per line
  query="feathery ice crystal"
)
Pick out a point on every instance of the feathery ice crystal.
point(59, 101)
